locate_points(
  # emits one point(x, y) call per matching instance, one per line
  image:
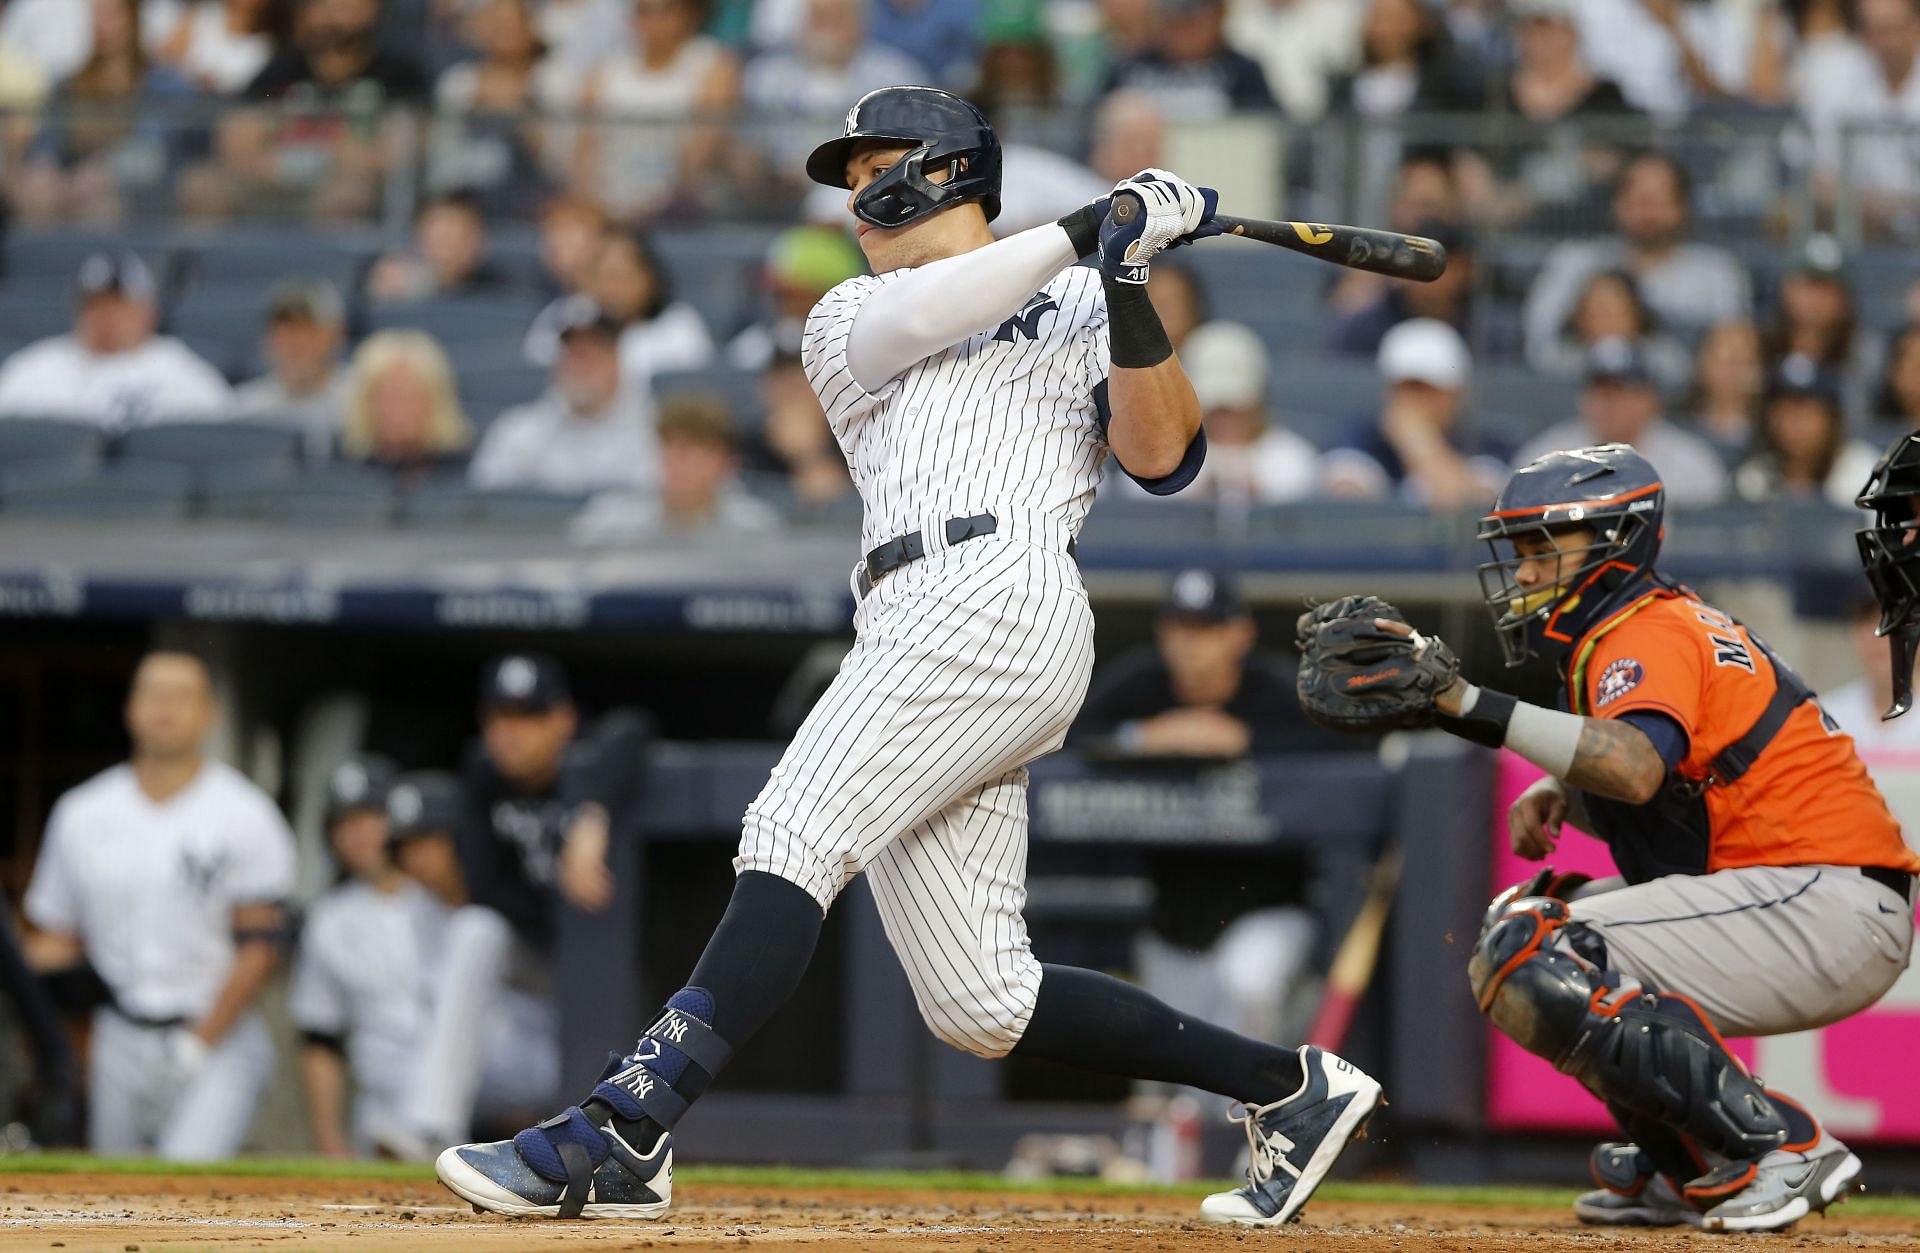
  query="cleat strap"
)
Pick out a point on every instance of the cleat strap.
point(677, 1029)
point(579, 1186)
point(637, 1092)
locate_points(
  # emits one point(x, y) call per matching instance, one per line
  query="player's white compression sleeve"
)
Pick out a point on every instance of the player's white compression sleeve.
point(931, 308)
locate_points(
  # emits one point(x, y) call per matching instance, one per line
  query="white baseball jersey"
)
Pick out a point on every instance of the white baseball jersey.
point(150, 888)
point(160, 379)
point(1005, 417)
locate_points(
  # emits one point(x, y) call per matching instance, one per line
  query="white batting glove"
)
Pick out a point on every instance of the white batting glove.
point(1173, 210)
point(186, 1053)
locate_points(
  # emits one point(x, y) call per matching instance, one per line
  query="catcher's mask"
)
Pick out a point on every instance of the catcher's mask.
point(1890, 554)
point(1609, 490)
point(943, 131)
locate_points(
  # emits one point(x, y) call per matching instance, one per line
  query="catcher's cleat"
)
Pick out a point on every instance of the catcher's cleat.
point(1781, 1188)
point(1631, 1193)
point(1293, 1143)
point(567, 1167)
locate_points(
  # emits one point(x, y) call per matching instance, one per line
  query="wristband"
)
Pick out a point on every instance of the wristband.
point(1483, 717)
point(1083, 230)
point(1136, 340)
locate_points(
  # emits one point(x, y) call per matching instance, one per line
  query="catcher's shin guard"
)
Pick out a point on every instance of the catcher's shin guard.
point(1542, 980)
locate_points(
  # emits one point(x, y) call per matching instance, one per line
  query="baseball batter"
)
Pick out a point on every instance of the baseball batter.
point(977, 388)
point(168, 875)
point(1764, 888)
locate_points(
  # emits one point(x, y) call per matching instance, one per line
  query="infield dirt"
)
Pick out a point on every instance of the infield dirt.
point(118, 1212)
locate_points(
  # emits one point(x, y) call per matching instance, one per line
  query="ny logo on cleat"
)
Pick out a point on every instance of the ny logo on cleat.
point(1027, 321)
point(638, 1080)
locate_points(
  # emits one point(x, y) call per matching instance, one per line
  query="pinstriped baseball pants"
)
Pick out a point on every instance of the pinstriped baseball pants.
point(968, 664)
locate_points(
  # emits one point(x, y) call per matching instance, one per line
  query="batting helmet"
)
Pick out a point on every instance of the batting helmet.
point(943, 131)
point(1891, 556)
point(1610, 490)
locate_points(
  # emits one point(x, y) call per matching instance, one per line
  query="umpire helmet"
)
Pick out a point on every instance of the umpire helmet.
point(942, 129)
point(1610, 490)
point(1891, 557)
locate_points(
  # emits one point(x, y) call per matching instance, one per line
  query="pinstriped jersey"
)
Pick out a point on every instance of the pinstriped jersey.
point(1004, 417)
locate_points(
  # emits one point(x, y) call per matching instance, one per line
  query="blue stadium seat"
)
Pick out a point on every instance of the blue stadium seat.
point(454, 504)
point(223, 326)
point(487, 390)
point(201, 446)
point(1538, 400)
point(330, 495)
point(48, 260)
point(118, 491)
point(48, 445)
point(1320, 383)
point(30, 311)
point(717, 271)
point(255, 260)
point(451, 321)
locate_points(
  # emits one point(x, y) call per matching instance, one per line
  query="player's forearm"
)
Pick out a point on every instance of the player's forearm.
point(253, 963)
point(930, 309)
point(1602, 755)
point(48, 951)
point(324, 1077)
point(1155, 417)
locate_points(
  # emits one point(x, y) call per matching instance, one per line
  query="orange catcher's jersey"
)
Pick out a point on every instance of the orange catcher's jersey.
point(1806, 799)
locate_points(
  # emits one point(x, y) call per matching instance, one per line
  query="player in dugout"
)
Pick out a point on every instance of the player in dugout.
point(1764, 887)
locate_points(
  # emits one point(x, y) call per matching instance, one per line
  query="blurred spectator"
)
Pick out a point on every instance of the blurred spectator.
point(1688, 286)
point(1129, 135)
point(112, 371)
point(328, 146)
point(1857, 707)
point(98, 141)
point(1803, 451)
point(1200, 690)
point(570, 234)
point(168, 874)
point(1610, 307)
point(1825, 48)
point(1302, 45)
point(699, 482)
point(1898, 402)
point(1878, 91)
point(662, 333)
point(423, 808)
point(1250, 457)
point(580, 33)
point(305, 384)
point(54, 35)
point(803, 446)
point(656, 136)
point(831, 64)
point(1728, 380)
point(1178, 299)
point(1620, 404)
point(1416, 449)
point(402, 412)
point(219, 44)
point(1408, 64)
point(803, 264)
point(1815, 318)
point(1640, 45)
point(1382, 304)
point(1189, 70)
point(1552, 79)
point(448, 256)
point(484, 137)
point(942, 35)
point(587, 433)
point(1018, 76)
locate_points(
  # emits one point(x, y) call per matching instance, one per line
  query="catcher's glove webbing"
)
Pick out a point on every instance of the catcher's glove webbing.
point(1356, 676)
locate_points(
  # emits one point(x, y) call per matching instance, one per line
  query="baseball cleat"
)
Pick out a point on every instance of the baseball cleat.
point(1783, 1187)
point(1631, 1193)
point(1293, 1143)
point(567, 1167)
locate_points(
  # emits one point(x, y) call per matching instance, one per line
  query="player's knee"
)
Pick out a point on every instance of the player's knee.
point(1534, 974)
point(985, 1024)
point(775, 848)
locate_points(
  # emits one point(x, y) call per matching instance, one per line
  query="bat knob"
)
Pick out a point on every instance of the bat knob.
point(1126, 207)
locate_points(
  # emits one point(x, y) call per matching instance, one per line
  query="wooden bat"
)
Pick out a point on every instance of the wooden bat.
point(1359, 953)
point(1356, 247)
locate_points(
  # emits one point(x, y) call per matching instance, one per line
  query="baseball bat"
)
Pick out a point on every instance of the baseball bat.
point(1359, 953)
point(1356, 247)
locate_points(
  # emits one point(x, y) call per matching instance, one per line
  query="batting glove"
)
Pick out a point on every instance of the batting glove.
point(1173, 212)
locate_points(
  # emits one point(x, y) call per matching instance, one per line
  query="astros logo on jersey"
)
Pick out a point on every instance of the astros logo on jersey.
point(1619, 678)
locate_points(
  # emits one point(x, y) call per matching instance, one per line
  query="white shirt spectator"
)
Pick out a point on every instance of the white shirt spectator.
point(580, 33)
point(677, 339)
point(1620, 40)
point(804, 92)
point(546, 445)
point(1847, 88)
point(320, 416)
point(150, 887)
point(1037, 186)
point(159, 380)
point(1695, 287)
point(1687, 464)
point(1302, 45)
point(56, 35)
point(216, 57)
point(1756, 480)
point(648, 109)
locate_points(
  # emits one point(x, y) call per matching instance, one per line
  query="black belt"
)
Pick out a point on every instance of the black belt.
point(151, 1024)
point(905, 549)
point(1887, 877)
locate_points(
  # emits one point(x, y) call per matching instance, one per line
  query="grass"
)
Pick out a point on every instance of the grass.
point(783, 1177)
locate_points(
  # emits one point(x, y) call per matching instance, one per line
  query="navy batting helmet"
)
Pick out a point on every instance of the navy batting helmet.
point(1891, 557)
point(942, 129)
point(1609, 490)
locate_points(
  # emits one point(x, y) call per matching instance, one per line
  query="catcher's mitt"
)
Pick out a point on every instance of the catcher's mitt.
point(1355, 676)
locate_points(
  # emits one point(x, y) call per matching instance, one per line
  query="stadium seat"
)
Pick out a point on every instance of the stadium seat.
point(1538, 399)
point(333, 495)
point(739, 389)
point(118, 491)
point(30, 311)
point(717, 271)
point(225, 327)
point(255, 260)
point(48, 445)
point(454, 320)
point(488, 389)
point(200, 446)
point(452, 504)
point(1342, 388)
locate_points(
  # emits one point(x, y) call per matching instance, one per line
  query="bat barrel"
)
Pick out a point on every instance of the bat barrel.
point(1356, 247)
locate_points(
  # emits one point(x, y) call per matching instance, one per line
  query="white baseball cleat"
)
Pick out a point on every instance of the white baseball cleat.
point(1293, 1143)
point(1786, 1186)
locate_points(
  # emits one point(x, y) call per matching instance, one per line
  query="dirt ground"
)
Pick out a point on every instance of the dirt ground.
point(120, 1213)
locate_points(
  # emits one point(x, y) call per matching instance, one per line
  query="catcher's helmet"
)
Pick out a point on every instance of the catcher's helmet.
point(943, 130)
point(1610, 490)
point(1891, 555)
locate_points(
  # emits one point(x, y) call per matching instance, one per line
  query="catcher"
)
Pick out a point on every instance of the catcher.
point(1763, 887)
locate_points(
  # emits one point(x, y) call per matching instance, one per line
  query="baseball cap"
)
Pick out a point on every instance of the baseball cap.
point(1202, 595)
point(1616, 360)
point(528, 682)
point(122, 271)
point(1801, 375)
point(1228, 365)
point(356, 784)
point(1821, 254)
point(813, 259)
point(309, 299)
point(422, 802)
point(578, 315)
point(1426, 350)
